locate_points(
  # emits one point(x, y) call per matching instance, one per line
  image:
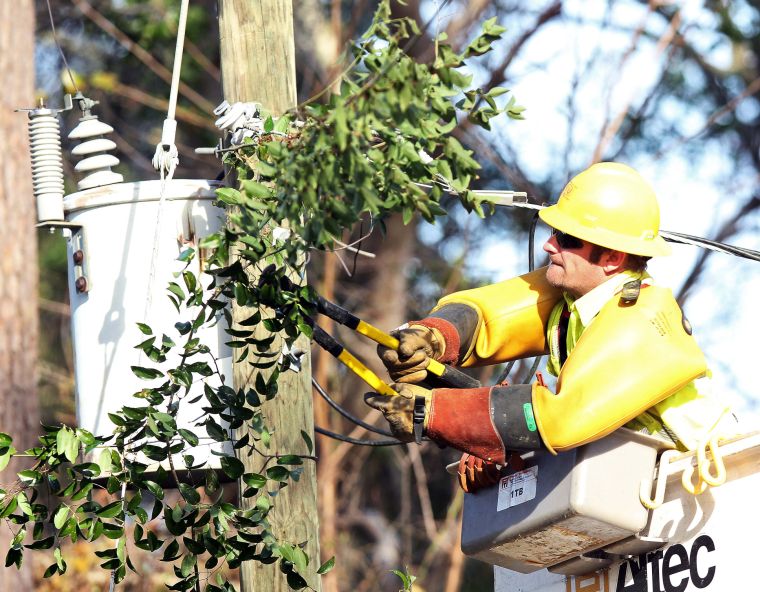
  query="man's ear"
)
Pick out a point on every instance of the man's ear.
point(613, 262)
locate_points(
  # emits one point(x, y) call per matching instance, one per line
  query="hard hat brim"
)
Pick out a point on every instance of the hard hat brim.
point(646, 247)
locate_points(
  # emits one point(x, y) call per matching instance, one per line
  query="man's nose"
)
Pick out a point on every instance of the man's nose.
point(551, 246)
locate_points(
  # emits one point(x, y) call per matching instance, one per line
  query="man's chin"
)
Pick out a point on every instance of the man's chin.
point(555, 275)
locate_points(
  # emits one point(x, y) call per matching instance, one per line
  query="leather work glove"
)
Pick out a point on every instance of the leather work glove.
point(398, 411)
point(417, 345)
point(475, 473)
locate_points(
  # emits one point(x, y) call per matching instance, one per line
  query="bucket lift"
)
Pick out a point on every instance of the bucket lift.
point(575, 522)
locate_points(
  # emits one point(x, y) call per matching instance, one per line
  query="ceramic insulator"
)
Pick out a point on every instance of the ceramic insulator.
point(47, 163)
point(96, 162)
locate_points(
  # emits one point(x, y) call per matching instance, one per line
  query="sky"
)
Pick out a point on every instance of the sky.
point(696, 192)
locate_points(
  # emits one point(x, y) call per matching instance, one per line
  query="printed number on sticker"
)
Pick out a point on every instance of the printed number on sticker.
point(517, 489)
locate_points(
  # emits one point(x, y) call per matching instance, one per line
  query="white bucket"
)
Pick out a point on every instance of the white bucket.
point(121, 246)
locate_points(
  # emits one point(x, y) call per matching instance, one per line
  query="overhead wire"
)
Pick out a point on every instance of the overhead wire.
point(60, 49)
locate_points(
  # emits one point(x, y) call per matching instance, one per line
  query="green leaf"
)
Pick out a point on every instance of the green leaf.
point(30, 477)
point(290, 459)
point(308, 441)
point(10, 507)
point(111, 510)
point(155, 489)
point(265, 169)
point(212, 482)
point(263, 503)
point(82, 492)
point(258, 190)
point(24, 505)
point(189, 493)
point(175, 289)
point(295, 581)
point(45, 543)
point(254, 480)
point(146, 373)
point(232, 466)
point(189, 436)
point(67, 443)
point(105, 461)
point(280, 474)
point(188, 562)
point(171, 552)
point(6, 457)
point(60, 516)
point(145, 328)
point(186, 255)
point(326, 566)
point(300, 560)
point(229, 196)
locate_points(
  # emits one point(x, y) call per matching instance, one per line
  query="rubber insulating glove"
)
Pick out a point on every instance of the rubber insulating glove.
point(417, 345)
point(398, 410)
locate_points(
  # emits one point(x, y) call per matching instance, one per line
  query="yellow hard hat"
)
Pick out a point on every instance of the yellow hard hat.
point(611, 205)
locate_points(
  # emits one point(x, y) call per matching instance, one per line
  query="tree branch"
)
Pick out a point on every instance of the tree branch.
point(729, 228)
point(141, 54)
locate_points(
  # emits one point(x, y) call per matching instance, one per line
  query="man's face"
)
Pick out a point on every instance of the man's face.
point(570, 268)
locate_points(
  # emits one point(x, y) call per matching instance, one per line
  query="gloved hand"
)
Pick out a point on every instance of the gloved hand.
point(398, 411)
point(475, 473)
point(417, 345)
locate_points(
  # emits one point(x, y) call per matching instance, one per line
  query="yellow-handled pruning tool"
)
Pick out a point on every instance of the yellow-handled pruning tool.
point(447, 375)
point(330, 345)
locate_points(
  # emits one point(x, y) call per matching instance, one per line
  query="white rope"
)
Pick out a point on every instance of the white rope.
point(166, 158)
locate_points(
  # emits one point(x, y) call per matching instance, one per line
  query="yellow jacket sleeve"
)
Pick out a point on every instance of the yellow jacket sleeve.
point(512, 318)
point(632, 357)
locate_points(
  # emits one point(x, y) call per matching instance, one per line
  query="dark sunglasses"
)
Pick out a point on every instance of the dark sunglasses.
point(567, 241)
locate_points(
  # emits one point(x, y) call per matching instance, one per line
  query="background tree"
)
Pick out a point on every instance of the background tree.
point(18, 287)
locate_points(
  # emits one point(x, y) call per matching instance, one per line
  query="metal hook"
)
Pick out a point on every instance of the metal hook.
point(704, 464)
point(686, 481)
point(662, 477)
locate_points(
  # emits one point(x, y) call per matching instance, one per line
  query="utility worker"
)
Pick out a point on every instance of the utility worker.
point(619, 345)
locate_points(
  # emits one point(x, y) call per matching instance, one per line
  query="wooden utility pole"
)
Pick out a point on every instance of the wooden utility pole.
point(258, 64)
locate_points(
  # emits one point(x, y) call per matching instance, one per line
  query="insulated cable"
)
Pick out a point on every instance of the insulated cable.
point(531, 266)
point(357, 441)
point(345, 413)
point(517, 200)
point(710, 245)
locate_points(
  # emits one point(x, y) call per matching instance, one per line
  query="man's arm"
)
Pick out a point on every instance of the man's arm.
point(486, 325)
point(631, 358)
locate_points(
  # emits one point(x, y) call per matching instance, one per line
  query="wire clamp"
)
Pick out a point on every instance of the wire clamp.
point(418, 418)
point(293, 355)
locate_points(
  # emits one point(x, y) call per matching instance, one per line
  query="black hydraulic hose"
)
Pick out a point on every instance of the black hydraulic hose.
point(531, 242)
point(357, 441)
point(531, 267)
point(531, 373)
point(503, 376)
point(345, 413)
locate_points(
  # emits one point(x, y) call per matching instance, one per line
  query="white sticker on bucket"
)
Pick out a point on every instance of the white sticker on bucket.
point(517, 489)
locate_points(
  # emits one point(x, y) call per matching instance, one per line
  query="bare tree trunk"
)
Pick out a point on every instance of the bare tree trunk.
point(327, 473)
point(18, 266)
